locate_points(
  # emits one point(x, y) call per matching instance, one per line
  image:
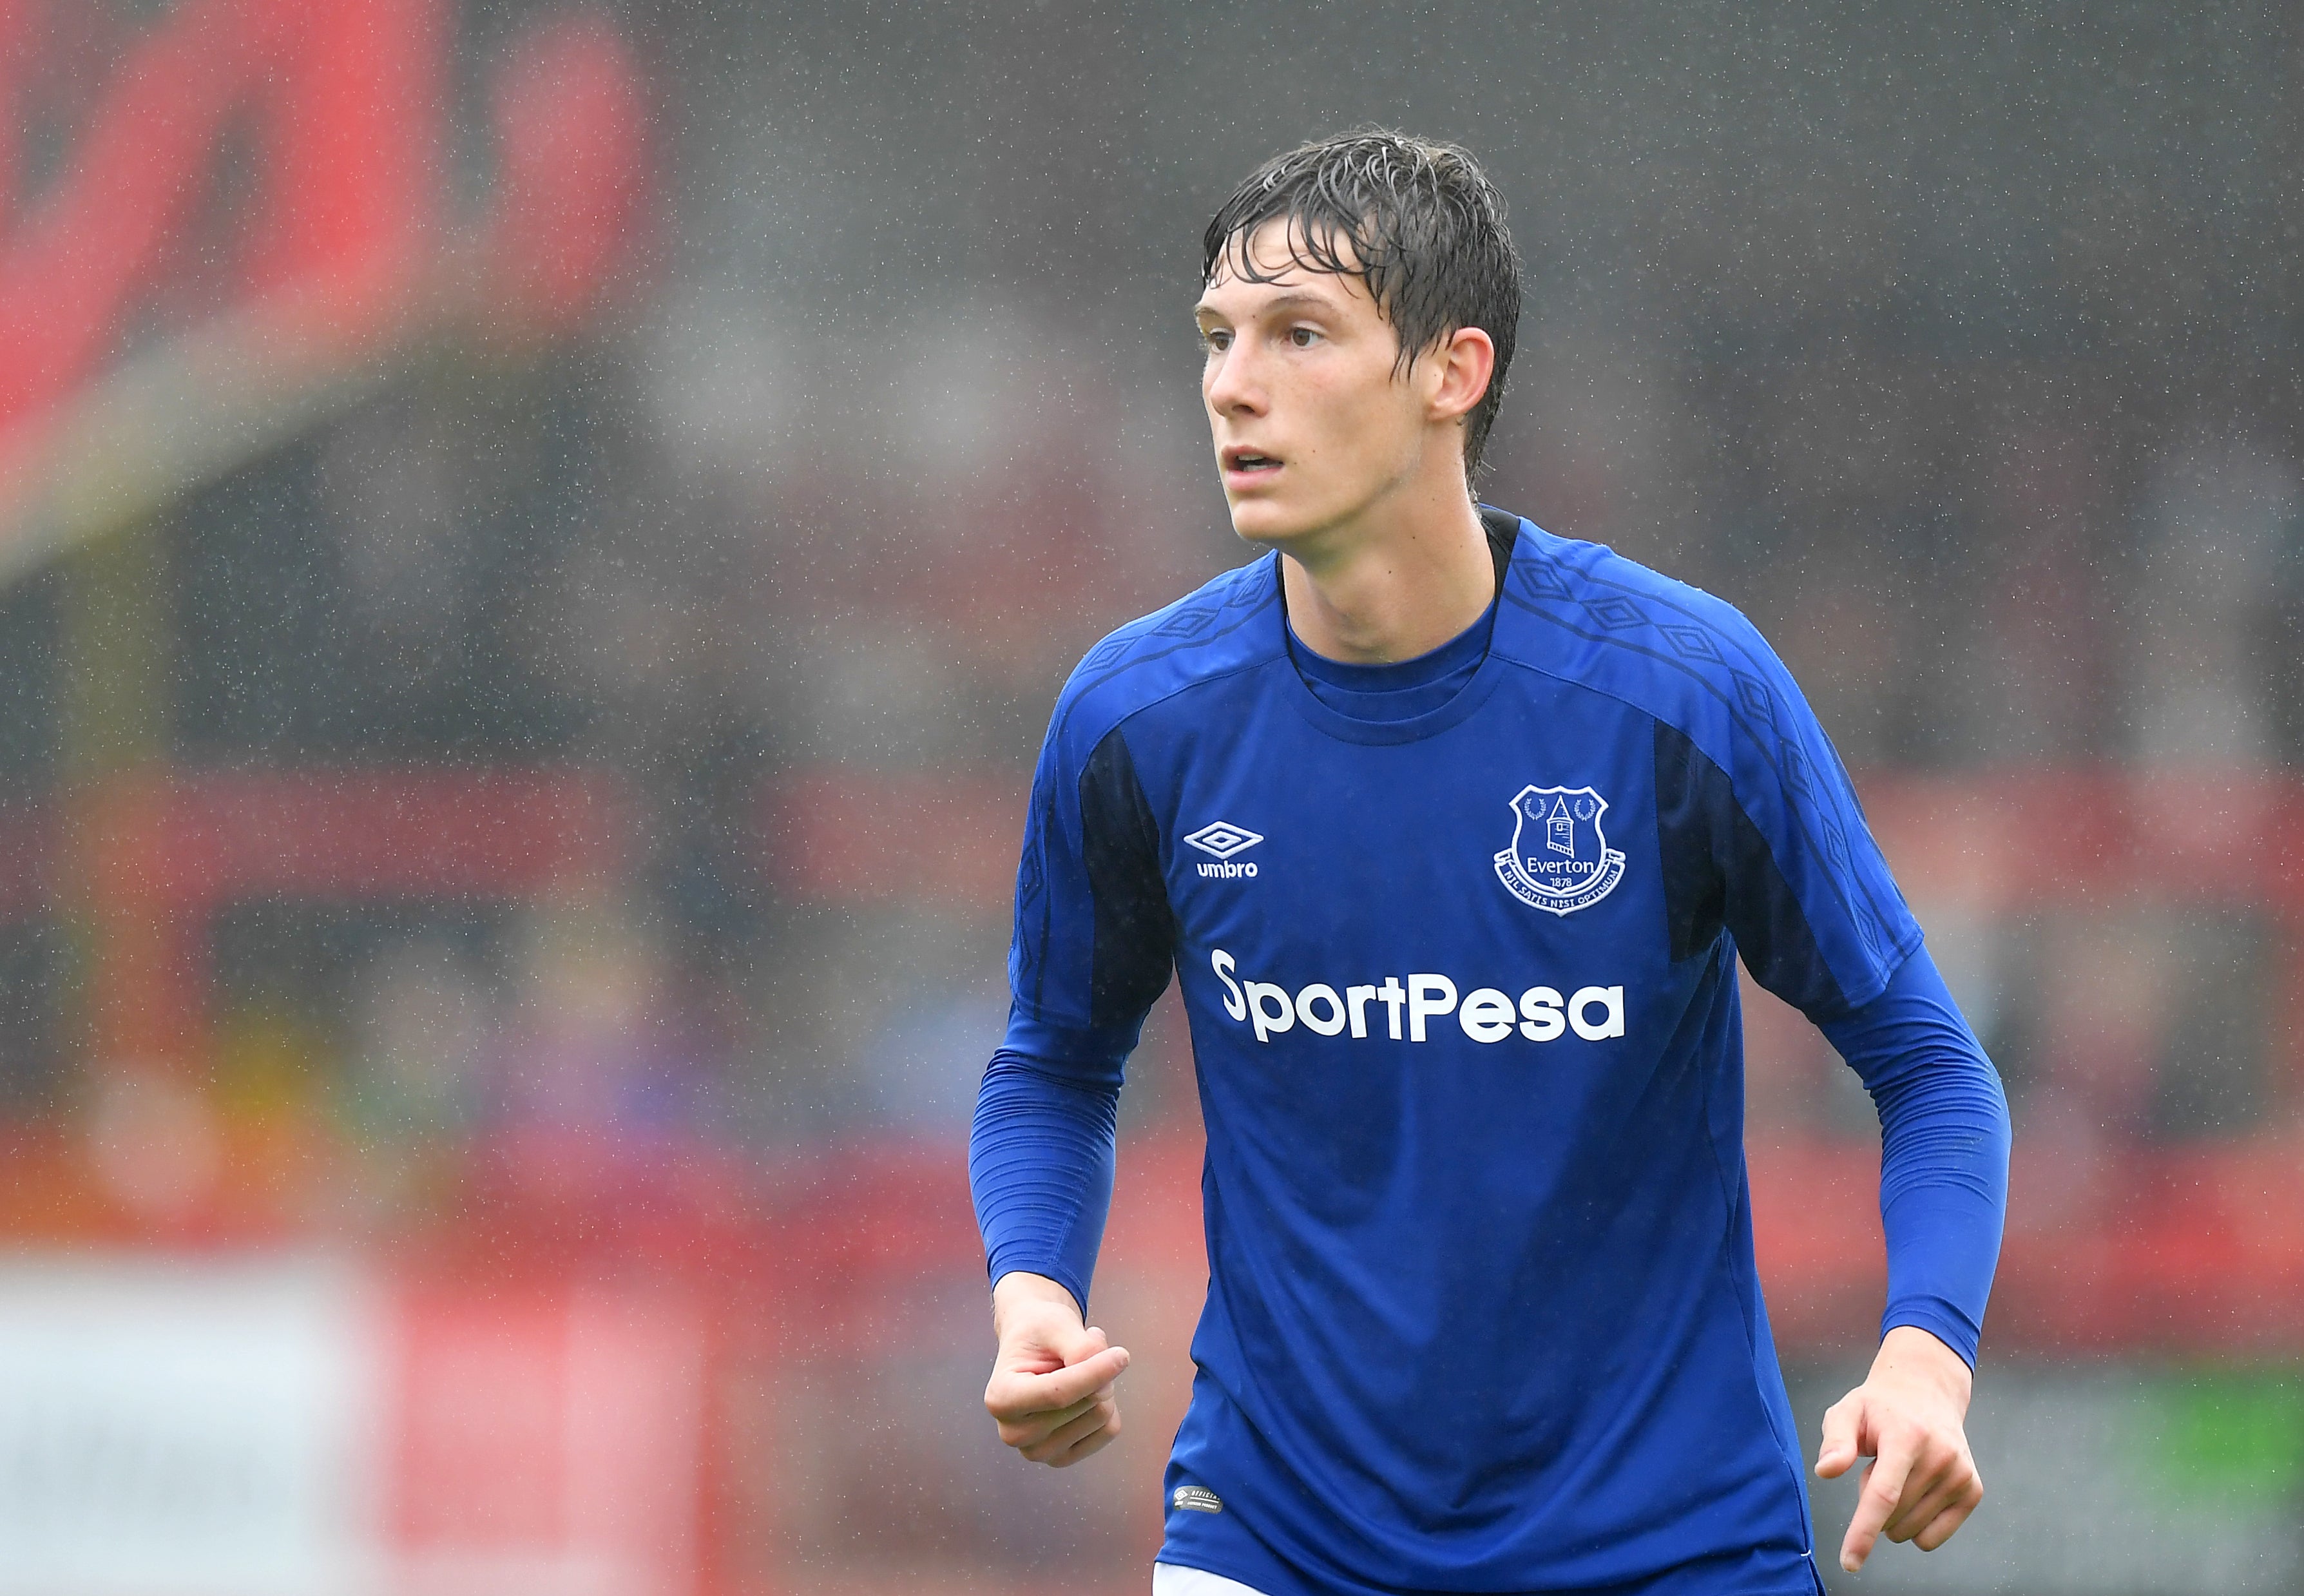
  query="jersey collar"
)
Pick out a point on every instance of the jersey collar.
point(1347, 728)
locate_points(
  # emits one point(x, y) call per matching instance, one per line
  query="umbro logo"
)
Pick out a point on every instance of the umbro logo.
point(1223, 839)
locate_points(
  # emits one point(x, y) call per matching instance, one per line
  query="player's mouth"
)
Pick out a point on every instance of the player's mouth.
point(1245, 467)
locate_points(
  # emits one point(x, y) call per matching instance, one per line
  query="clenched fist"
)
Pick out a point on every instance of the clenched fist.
point(1051, 1386)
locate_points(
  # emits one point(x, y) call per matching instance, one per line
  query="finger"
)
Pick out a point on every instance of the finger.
point(1927, 1491)
point(1014, 1397)
point(1095, 1442)
point(1017, 1393)
point(1839, 1449)
point(1078, 1428)
point(1065, 1386)
point(1884, 1487)
point(1034, 1428)
point(1061, 1439)
point(1940, 1528)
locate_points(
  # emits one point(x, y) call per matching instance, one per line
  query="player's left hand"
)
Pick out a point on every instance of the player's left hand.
point(1907, 1416)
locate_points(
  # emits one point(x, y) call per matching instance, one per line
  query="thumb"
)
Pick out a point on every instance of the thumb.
point(1051, 1345)
point(1093, 1344)
point(1843, 1436)
point(1068, 1347)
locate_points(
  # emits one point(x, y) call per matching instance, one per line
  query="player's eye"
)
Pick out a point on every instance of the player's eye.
point(1216, 340)
point(1303, 338)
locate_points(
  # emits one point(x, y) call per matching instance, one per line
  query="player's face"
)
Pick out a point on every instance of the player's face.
point(1314, 426)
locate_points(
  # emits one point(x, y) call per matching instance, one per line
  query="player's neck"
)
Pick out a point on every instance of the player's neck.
point(1414, 575)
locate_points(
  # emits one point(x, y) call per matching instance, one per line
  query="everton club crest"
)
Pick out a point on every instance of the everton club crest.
point(1560, 860)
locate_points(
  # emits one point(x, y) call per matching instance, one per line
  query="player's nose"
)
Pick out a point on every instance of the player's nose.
point(1233, 385)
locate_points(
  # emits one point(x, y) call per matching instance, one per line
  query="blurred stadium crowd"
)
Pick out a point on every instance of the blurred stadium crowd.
point(1960, 345)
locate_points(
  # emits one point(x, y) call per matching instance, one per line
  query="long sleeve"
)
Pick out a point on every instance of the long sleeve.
point(1039, 1166)
point(1763, 836)
point(1094, 948)
point(1944, 1150)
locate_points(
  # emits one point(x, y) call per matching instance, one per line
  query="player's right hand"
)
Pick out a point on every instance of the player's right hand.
point(1051, 1387)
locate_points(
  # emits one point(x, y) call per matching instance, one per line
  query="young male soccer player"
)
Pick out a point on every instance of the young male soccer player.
point(1454, 831)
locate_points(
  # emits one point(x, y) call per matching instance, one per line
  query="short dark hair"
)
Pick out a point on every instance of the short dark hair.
point(1417, 221)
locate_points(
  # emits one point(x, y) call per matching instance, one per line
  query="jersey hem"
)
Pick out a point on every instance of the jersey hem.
point(1812, 1586)
point(1201, 1567)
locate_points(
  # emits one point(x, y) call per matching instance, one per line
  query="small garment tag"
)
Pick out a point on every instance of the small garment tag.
point(1197, 1499)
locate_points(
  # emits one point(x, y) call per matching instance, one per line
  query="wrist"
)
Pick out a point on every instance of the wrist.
point(1019, 1296)
point(1909, 1353)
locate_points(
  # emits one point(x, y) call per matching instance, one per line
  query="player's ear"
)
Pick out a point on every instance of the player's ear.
point(1465, 362)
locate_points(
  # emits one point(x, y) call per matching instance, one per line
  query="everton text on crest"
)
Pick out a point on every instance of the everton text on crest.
point(1560, 860)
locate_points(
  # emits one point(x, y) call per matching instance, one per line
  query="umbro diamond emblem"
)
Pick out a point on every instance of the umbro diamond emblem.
point(1223, 839)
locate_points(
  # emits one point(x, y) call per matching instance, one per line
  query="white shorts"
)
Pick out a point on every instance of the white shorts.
point(1173, 1579)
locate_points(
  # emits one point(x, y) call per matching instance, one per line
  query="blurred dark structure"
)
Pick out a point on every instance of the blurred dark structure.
point(532, 601)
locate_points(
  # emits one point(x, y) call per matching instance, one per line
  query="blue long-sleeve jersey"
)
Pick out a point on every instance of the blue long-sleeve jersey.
point(1457, 944)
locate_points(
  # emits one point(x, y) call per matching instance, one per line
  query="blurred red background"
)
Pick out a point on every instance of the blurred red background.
point(538, 540)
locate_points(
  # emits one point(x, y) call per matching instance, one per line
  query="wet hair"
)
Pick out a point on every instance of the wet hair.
point(1418, 222)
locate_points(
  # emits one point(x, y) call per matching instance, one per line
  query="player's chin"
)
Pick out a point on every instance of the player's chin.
point(1258, 518)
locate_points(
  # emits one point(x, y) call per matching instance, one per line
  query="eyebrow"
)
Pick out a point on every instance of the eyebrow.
point(1280, 303)
point(1298, 301)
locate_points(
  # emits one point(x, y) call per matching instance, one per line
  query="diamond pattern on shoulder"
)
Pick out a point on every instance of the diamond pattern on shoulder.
point(1757, 700)
point(1796, 771)
point(1691, 642)
point(1615, 612)
point(1835, 844)
point(1543, 581)
point(1187, 623)
point(1105, 652)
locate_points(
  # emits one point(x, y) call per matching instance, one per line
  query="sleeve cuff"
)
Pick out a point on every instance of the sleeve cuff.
point(1939, 1319)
